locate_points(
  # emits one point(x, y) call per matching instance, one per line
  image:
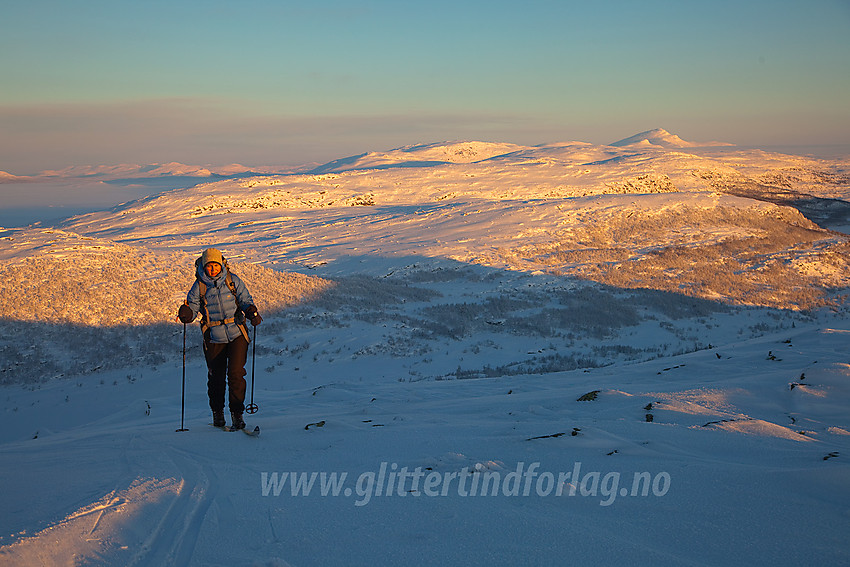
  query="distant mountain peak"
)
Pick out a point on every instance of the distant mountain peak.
point(6, 177)
point(659, 137)
point(160, 170)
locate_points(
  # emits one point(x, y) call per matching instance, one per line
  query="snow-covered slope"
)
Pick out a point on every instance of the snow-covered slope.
point(472, 353)
point(616, 216)
point(420, 155)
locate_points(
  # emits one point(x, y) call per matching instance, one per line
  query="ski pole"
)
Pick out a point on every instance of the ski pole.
point(183, 394)
point(252, 407)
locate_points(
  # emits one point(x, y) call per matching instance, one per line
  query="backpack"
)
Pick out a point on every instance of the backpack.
point(238, 317)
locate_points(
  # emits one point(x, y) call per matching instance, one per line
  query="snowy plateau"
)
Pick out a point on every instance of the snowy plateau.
point(472, 353)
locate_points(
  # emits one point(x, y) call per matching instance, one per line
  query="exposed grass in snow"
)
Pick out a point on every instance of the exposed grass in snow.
point(127, 287)
point(78, 311)
point(556, 324)
point(749, 256)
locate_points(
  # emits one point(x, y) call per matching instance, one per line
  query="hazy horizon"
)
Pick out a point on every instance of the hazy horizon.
point(284, 83)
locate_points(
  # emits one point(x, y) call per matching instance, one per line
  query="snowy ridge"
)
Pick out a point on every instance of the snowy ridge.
point(476, 353)
point(172, 169)
point(6, 177)
point(660, 137)
point(421, 155)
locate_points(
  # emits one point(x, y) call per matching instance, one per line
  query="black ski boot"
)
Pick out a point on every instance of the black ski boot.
point(238, 422)
point(218, 418)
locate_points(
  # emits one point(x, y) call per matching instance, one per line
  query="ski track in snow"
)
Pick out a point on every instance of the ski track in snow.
point(440, 314)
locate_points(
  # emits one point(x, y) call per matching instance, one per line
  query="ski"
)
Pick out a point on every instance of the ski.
point(251, 432)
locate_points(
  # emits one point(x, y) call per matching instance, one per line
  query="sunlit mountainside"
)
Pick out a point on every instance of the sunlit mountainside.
point(651, 213)
point(745, 226)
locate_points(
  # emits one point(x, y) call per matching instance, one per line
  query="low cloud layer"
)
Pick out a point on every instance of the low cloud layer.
point(53, 136)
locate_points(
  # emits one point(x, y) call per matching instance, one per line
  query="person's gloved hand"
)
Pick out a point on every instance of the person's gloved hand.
point(253, 315)
point(185, 314)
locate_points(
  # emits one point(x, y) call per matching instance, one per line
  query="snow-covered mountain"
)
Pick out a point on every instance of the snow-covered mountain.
point(662, 138)
point(421, 155)
point(158, 170)
point(597, 212)
point(473, 352)
point(6, 177)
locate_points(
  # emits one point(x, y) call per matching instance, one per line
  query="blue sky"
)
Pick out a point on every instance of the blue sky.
point(264, 82)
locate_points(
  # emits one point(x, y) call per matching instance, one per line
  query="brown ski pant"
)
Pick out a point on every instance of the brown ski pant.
point(226, 364)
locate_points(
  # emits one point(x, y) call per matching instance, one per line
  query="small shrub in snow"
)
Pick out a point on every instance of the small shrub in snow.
point(588, 397)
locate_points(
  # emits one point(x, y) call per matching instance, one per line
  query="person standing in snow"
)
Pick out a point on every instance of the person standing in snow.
point(224, 304)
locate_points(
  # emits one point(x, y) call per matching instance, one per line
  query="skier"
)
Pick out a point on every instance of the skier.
point(224, 304)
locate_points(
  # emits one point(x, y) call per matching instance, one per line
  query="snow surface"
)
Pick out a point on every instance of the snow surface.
point(563, 354)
